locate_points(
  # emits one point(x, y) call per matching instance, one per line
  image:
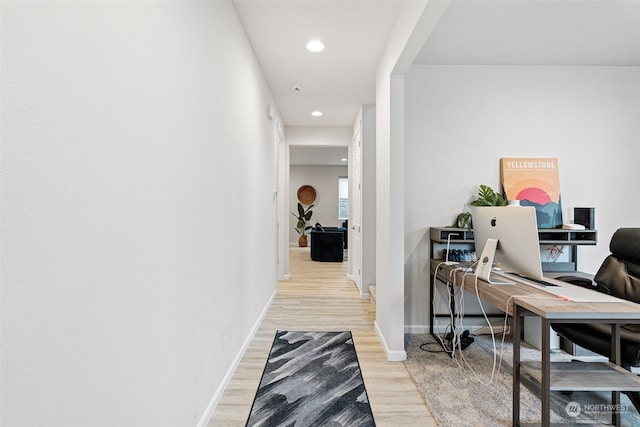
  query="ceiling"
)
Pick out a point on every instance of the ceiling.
point(568, 32)
point(342, 77)
point(301, 155)
point(336, 81)
point(339, 79)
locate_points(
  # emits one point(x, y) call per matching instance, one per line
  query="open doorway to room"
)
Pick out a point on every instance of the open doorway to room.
point(322, 169)
point(316, 154)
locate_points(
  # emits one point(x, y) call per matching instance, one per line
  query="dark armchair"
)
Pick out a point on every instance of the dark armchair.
point(619, 276)
point(327, 243)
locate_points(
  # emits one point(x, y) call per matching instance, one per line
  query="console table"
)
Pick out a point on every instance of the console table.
point(519, 300)
point(441, 237)
point(567, 376)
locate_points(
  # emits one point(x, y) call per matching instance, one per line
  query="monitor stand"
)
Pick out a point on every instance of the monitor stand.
point(485, 263)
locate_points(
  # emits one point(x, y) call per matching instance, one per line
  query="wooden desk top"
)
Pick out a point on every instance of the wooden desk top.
point(539, 302)
point(604, 312)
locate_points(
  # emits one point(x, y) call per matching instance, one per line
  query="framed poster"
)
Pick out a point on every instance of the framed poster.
point(534, 182)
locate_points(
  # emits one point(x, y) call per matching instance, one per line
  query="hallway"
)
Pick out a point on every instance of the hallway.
point(319, 297)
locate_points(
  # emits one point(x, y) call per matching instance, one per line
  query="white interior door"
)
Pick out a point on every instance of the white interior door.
point(355, 213)
point(282, 205)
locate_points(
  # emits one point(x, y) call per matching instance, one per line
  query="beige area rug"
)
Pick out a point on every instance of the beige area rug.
point(461, 392)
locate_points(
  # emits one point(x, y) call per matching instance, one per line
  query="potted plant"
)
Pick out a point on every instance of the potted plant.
point(303, 216)
point(488, 197)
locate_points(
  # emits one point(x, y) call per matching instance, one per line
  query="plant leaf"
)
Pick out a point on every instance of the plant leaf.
point(488, 197)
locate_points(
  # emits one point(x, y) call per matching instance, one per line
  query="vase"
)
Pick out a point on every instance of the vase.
point(302, 241)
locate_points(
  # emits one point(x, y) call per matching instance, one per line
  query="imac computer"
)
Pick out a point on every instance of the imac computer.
point(507, 239)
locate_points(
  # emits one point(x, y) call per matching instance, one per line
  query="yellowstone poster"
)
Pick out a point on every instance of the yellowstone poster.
point(534, 182)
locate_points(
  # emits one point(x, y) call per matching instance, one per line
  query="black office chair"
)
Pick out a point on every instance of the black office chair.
point(619, 275)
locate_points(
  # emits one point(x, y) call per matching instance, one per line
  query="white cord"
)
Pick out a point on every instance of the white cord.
point(466, 362)
point(451, 292)
point(435, 318)
point(456, 341)
point(493, 337)
point(459, 317)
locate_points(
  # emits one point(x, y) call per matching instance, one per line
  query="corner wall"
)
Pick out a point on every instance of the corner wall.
point(410, 30)
point(137, 172)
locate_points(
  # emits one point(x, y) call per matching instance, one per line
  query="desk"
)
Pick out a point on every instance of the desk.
point(563, 376)
point(519, 300)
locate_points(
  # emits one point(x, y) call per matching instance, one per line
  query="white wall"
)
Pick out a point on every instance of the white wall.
point(325, 181)
point(462, 119)
point(319, 136)
point(135, 157)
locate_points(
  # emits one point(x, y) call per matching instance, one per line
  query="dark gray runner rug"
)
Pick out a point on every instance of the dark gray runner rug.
point(459, 397)
point(311, 379)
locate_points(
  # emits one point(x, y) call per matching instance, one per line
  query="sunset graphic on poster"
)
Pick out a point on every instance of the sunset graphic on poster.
point(534, 182)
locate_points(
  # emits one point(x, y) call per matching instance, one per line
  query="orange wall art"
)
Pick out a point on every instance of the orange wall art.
point(534, 182)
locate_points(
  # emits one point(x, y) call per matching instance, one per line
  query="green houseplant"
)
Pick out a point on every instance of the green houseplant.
point(303, 216)
point(488, 197)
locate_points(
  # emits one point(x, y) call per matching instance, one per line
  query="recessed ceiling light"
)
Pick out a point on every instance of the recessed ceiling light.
point(315, 46)
point(343, 160)
point(316, 113)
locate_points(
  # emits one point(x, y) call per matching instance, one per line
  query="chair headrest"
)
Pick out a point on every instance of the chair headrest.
point(625, 244)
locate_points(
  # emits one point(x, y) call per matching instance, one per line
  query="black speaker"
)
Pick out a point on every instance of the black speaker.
point(585, 216)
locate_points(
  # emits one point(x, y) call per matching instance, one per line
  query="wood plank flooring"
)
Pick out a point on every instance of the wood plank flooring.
point(319, 297)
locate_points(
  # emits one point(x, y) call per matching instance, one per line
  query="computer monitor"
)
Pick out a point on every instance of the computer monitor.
point(516, 230)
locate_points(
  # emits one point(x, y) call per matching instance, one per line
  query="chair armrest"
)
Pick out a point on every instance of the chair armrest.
point(577, 280)
point(585, 283)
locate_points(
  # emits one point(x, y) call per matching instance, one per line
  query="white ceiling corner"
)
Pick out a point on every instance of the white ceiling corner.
point(474, 32)
point(336, 81)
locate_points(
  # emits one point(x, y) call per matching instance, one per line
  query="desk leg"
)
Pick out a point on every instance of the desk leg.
point(546, 374)
point(452, 310)
point(432, 312)
point(517, 333)
point(615, 357)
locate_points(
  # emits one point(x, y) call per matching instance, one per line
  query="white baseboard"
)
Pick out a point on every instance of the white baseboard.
point(211, 407)
point(392, 355)
point(364, 293)
point(474, 329)
point(416, 329)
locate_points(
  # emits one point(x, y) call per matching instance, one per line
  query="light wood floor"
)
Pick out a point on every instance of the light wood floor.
point(319, 297)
